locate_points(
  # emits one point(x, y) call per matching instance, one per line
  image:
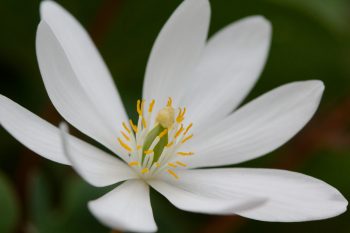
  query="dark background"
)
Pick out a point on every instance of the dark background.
point(311, 40)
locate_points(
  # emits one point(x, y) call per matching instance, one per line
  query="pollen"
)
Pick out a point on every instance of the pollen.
point(154, 144)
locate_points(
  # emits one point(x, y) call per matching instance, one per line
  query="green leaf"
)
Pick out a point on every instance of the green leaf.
point(9, 210)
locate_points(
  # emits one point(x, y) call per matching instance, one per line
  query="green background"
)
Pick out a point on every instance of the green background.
point(311, 40)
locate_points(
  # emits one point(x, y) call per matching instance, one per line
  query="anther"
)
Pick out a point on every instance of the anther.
point(145, 170)
point(187, 138)
point(163, 133)
point(134, 127)
point(170, 102)
point(185, 153)
point(171, 172)
point(126, 127)
point(124, 145)
point(188, 128)
point(151, 105)
point(125, 136)
point(147, 152)
point(181, 164)
point(179, 131)
point(170, 144)
point(133, 163)
point(172, 165)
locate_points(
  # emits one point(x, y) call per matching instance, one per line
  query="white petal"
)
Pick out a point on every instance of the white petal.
point(95, 166)
point(176, 51)
point(258, 127)
point(38, 135)
point(290, 196)
point(32, 131)
point(76, 79)
point(188, 199)
point(126, 208)
point(231, 64)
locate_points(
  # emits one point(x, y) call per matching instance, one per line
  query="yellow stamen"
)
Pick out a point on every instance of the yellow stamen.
point(170, 144)
point(185, 153)
point(125, 136)
point(180, 117)
point(145, 170)
point(147, 152)
point(144, 123)
point(150, 109)
point(138, 147)
point(171, 165)
point(134, 127)
point(139, 107)
point(133, 163)
point(187, 138)
point(126, 127)
point(124, 145)
point(181, 164)
point(163, 133)
point(188, 128)
point(171, 172)
point(157, 164)
point(170, 102)
point(179, 131)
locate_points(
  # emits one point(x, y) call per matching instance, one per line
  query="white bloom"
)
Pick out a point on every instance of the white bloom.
point(195, 127)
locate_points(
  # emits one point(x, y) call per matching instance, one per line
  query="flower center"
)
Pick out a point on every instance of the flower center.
point(155, 148)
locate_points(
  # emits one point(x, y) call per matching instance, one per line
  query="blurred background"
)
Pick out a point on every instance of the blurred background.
point(311, 40)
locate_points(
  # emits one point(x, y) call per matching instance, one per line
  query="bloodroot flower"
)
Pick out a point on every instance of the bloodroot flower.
point(187, 119)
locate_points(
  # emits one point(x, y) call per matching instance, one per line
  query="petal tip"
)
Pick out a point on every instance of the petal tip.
point(93, 208)
point(45, 6)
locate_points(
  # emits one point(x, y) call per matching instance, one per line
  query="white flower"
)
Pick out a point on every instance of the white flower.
point(195, 127)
